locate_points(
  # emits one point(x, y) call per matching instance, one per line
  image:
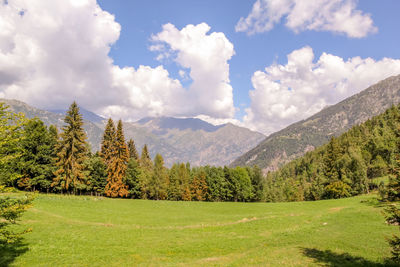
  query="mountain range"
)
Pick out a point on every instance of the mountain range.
point(176, 139)
point(298, 138)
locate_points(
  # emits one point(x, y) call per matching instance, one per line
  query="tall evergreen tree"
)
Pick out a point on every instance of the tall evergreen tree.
point(108, 142)
point(158, 184)
point(97, 174)
point(132, 150)
point(184, 180)
point(72, 150)
point(198, 186)
point(145, 159)
point(146, 165)
point(36, 163)
point(116, 169)
point(133, 175)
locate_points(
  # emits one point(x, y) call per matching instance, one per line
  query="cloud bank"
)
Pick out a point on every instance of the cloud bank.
point(55, 51)
point(339, 16)
point(284, 94)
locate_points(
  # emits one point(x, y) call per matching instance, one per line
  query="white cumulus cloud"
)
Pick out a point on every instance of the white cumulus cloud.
point(339, 16)
point(206, 55)
point(55, 51)
point(284, 94)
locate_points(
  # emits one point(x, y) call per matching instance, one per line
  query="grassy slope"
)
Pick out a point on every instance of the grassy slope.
point(86, 231)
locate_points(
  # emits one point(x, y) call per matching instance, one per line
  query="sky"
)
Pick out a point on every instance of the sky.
point(261, 64)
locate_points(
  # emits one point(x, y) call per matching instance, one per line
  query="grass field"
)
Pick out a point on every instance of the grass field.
point(89, 231)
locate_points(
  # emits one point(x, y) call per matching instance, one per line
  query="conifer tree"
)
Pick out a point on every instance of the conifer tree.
point(72, 149)
point(36, 163)
point(146, 165)
point(145, 159)
point(116, 168)
point(97, 174)
point(132, 150)
point(330, 160)
point(108, 142)
point(184, 180)
point(174, 183)
point(133, 174)
point(199, 187)
point(159, 180)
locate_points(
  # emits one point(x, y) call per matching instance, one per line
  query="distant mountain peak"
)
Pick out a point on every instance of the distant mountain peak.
point(194, 124)
point(87, 114)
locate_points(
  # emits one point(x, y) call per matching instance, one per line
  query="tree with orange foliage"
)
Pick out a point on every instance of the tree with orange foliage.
point(116, 165)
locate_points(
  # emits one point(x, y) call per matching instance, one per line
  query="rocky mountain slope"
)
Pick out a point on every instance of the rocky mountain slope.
point(193, 140)
point(303, 136)
point(177, 140)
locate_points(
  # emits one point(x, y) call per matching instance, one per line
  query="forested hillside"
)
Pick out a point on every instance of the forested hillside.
point(301, 137)
point(343, 167)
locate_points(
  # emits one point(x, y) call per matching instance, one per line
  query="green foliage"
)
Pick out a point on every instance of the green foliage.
point(133, 175)
point(337, 189)
point(159, 181)
point(11, 209)
point(97, 174)
point(11, 136)
point(132, 150)
point(343, 167)
point(392, 213)
point(71, 153)
point(145, 159)
point(107, 145)
point(36, 164)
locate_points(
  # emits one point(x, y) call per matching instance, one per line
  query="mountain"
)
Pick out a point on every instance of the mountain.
point(176, 139)
point(94, 132)
point(192, 140)
point(298, 138)
point(86, 114)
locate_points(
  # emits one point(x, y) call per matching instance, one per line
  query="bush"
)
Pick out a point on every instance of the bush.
point(11, 209)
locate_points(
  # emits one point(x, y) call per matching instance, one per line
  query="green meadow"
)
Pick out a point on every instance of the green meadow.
point(90, 231)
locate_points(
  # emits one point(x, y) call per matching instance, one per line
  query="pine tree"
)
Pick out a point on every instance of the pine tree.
point(330, 160)
point(97, 174)
point(174, 183)
point(145, 159)
point(199, 187)
point(132, 150)
point(147, 169)
point(107, 144)
point(72, 149)
point(158, 183)
point(133, 174)
point(36, 163)
point(116, 168)
point(184, 181)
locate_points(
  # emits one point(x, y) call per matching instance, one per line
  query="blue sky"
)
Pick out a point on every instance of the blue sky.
point(141, 19)
point(262, 90)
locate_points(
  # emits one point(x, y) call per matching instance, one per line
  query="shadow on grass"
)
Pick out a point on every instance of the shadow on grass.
point(330, 258)
point(9, 252)
point(375, 202)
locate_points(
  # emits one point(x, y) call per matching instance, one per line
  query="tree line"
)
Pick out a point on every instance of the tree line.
point(35, 157)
